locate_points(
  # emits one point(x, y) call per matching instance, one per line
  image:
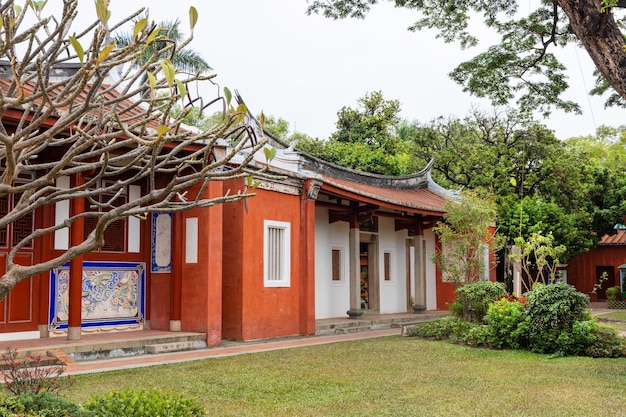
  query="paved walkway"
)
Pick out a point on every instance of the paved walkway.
point(227, 349)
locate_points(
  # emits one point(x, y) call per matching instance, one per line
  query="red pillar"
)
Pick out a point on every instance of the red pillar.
point(307, 258)
point(177, 272)
point(77, 232)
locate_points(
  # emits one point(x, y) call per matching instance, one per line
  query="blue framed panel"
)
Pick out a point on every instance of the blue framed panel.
point(113, 294)
point(161, 250)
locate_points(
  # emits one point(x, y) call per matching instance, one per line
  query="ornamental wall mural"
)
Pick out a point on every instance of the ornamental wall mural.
point(112, 294)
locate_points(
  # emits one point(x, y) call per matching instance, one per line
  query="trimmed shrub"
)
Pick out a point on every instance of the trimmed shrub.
point(552, 311)
point(52, 405)
point(614, 293)
point(607, 343)
point(454, 330)
point(504, 318)
point(476, 297)
point(131, 403)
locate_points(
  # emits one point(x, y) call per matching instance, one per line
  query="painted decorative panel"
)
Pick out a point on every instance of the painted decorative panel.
point(113, 294)
point(161, 242)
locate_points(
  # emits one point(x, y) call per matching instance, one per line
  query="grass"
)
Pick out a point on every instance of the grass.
point(390, 376)
point(615, 319)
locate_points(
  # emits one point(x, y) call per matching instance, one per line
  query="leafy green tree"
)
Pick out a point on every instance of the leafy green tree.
point(522, 67)
point(466, 235)
point(367, 139)
point(538, 251)
point(171, 45)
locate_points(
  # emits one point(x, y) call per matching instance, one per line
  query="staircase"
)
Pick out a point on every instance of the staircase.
point(366, 324)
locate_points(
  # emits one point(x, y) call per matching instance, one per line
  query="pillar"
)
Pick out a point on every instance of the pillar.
point(420, 271)
point(77, 235)
point(307, 257)
point(355, 268)
point(177, 273)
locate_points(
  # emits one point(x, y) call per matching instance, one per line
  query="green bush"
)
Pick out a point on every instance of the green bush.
point(131, 403)
point(11, 406)
point(504, 318)
point(51, 405)
point(476, 297)
point(607, 343)
point(551, 313)
point(453, 329)
point(614, 293)
point(456, 309)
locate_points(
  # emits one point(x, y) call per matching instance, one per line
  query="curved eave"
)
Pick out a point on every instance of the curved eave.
point(421, 201)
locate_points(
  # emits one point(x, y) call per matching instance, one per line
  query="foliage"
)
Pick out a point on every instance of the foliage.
point(367, 139)
point(51, 405)
point(521, 67)
point(82, 112)
point(503, 318)
point(32, 374)
point(168, 33)
point(614, 293)
point(476, 297)
point(606, 344)
point(132, 403)
point(557, 319)
point(466, 236)
point(456, 308)
point(538, 257)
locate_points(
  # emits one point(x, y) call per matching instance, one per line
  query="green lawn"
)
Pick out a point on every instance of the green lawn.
point(389, 376)
point(615, 319)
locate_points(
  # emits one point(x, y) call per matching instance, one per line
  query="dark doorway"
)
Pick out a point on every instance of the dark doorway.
point(604, 282)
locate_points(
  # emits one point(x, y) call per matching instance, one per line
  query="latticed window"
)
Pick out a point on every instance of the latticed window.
point(115, 233)
point(277, 253)
point(22, 227)
point(336, 265)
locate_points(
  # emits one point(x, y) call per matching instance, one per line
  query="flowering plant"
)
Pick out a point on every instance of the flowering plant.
point(32, 374)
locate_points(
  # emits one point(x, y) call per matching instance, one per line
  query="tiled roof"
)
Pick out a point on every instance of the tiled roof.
point(419, 198)
point(130, 111)
point(618, 238)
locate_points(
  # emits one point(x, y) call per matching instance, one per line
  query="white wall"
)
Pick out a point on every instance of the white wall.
point(393, 292)
point(332, 298)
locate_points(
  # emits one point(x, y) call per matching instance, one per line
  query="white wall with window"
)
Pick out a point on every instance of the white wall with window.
point(393, 285)
point(277, 254)
point(332, 251)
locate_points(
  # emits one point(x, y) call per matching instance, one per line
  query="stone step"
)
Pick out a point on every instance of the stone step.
point(364, 324)
point(174, 346)
point(353, 329)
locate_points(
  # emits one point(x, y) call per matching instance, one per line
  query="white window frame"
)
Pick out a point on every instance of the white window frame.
point(284, 253)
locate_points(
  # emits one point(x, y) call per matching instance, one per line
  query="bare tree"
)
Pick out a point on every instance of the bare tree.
point(100, 124)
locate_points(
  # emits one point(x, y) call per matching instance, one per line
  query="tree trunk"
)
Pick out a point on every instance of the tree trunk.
point(601, 37)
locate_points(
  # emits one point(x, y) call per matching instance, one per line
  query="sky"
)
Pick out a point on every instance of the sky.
point(304, 69)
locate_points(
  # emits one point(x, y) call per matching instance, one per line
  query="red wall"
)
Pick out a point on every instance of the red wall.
point(252, 311)
point(581, 271)
point(201, 297)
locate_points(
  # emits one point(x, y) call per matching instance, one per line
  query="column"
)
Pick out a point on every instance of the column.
point(177, 273)
point(355, 268)
point(77, 235)
point(420, 271)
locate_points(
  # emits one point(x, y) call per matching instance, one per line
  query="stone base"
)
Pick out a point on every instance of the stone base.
point(418, 308)
point(354, 313)
point(74, 333)
point(43, 331)
point(175, 325)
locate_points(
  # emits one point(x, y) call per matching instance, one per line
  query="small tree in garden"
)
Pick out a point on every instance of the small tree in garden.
point(539, 252)
point(466, 235)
